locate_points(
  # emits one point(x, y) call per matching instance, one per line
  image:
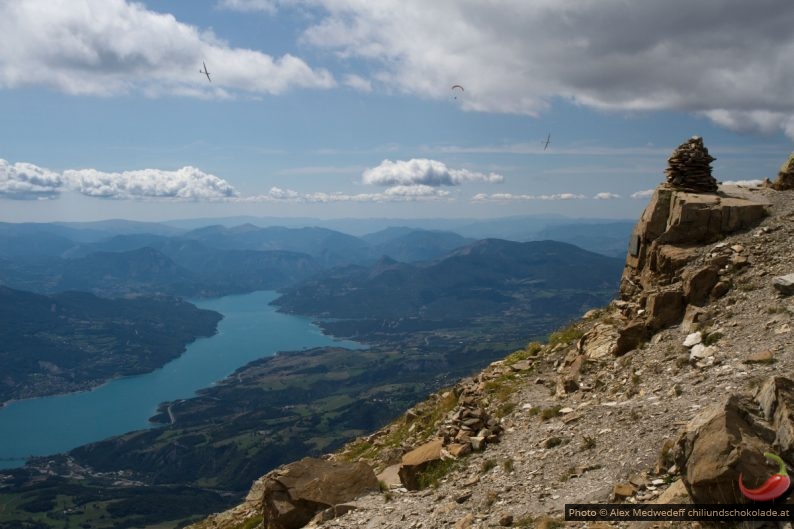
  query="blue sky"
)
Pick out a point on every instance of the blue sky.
point(343, 108)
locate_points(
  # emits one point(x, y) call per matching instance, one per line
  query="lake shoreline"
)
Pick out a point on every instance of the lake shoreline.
point(250, 329)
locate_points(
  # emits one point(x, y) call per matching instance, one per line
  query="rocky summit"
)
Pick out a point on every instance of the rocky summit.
point(665, 395)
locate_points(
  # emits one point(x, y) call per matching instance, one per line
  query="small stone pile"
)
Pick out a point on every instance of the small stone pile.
point(689, 167)
point(469, 427)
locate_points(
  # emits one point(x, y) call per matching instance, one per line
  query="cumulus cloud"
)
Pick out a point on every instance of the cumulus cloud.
point(187, 183)
point(646, 193)
point(724, 59)
point(110, 47)
point(508, 197)
point(25, 181)
point(421, 171)
point(605, 196)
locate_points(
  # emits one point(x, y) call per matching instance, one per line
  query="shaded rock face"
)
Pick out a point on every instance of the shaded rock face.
point(776, 398)
point(730, 438)
point(295, 493)
point(690, 167)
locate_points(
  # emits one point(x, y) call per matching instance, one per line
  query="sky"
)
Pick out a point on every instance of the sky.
point(345, 108)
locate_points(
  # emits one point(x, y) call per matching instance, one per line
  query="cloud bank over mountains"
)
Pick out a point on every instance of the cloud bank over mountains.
point(26, 181)
point(410, 180)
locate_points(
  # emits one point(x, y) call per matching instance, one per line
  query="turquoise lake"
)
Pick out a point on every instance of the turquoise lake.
point(250, 329)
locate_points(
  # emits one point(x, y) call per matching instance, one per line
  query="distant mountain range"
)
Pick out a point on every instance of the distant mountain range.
point(207, 259)
point(483, 279)
point(606, 236)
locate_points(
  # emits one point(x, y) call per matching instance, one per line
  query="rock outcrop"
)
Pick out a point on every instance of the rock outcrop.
point(660, 276)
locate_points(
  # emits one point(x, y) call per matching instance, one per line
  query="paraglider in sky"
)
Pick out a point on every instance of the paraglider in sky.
point(456, 87)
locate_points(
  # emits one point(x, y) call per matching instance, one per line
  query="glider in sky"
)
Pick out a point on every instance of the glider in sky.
point(546, 142)
point(205, 72)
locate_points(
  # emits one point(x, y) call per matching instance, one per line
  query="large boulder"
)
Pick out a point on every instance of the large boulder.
point(722, 442)
point(418, 459)
point(295, 493)
point(599, 342)
point(664, 308)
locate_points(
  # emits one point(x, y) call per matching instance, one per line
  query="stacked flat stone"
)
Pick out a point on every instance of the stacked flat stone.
point(689, 167)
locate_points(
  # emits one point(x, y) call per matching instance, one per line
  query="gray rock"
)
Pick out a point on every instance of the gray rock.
point(693, 339)
point(784, 284)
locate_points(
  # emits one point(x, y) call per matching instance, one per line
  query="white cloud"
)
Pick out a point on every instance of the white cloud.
point(646, 193)
point(357, 82)
point(410, 193)
point(110, 47)
point(423, 172)
point(415, 191)
point(187, 183)
point(725, 59)
point(509, 197)
point(743, 183)
point(25, 181)
point(248, 6)
point(283, 194)
point(605, 196)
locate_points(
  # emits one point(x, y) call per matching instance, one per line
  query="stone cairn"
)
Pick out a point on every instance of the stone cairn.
point(469, 427)
point(689, 167)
